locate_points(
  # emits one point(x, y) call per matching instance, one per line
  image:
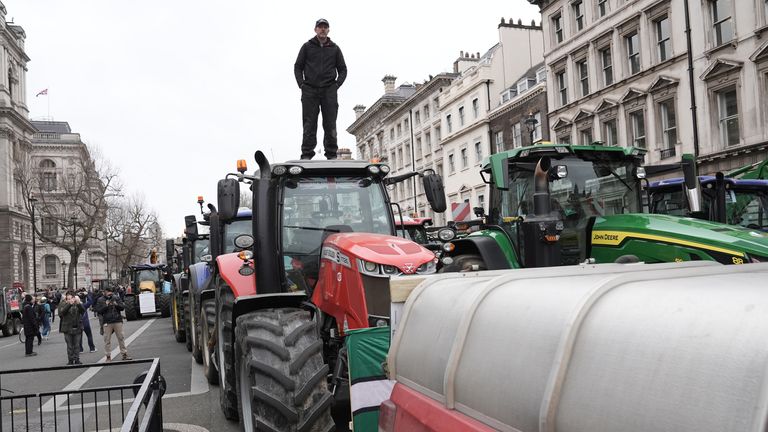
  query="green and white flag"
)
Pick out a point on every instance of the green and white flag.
point(367, 351)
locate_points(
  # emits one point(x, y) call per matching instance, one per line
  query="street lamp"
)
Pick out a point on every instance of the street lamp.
point(32, 201)
point(531, 123)
point(74, 245)
point(63, 274)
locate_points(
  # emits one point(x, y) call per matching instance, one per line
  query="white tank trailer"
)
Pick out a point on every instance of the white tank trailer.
point(630, 348)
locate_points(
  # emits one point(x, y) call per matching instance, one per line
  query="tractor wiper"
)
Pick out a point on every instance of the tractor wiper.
point(312, 228)
point(613, 173)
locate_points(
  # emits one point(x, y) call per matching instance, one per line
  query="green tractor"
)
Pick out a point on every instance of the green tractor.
point(148, 291)
point(555, 204)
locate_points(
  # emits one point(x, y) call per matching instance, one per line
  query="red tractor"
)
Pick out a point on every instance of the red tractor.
point(318, 265)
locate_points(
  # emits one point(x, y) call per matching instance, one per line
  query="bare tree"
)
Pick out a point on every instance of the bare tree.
point(71, 201)
point(133, 228)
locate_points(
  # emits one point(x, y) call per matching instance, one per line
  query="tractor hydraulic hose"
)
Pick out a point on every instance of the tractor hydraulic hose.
point(541, 205)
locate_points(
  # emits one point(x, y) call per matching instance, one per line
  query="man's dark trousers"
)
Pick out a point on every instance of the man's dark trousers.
point(313, 101)
point(73, 341)
point(29, 339)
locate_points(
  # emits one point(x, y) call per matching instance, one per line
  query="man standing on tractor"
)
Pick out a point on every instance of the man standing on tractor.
point(320, 70)
point(110, 306)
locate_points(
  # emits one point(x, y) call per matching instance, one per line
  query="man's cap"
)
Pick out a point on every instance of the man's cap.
point(322, 21)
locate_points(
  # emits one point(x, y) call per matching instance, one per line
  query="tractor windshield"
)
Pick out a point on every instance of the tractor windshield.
point(153, 275)
point(745, 207)
point(599, 187)
point(234, 229)
point(315, 207)
point(201, 249)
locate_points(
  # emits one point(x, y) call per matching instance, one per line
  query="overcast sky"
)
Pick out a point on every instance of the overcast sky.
point(173, 92)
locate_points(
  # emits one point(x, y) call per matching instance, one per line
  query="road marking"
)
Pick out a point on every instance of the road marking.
point(199, 384)
point(80, 381)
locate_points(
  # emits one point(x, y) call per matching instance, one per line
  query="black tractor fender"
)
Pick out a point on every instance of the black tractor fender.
point(485, 247)
point(247, 304)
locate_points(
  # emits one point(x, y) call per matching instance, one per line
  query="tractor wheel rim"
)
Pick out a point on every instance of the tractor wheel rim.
point(245, 396)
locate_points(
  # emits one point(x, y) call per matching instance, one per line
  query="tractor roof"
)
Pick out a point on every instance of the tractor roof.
point(335, 167)
point(147, 267)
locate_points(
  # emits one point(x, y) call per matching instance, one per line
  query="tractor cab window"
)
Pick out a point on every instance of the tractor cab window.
point(149, 275)
point(234, 229)
point(315, 207)
point(201, 249)
point(416, 233)
point(748, 209)
point(591, 188)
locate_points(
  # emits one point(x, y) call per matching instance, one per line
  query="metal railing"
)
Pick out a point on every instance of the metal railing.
point(667, 153)
point(58, 410)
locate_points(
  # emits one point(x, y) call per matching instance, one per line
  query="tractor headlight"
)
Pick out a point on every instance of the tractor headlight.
point(384, 169)
point(446, 234)
point(369, 268)
point(373, 169)
point(428, 267)
point(295, 170)
point(279, 170)
point(390, 270)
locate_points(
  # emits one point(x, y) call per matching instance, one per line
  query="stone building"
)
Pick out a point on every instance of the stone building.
point(443, 123)
point(15, 146)
point(618, 73)
point(58, 154)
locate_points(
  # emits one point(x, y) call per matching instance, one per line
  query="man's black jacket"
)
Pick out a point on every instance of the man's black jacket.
point(320, 66)
point(109, 308)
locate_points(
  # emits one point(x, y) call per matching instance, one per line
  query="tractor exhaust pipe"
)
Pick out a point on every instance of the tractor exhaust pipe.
point(264, 238)
point(541, 204)
point(692, 188)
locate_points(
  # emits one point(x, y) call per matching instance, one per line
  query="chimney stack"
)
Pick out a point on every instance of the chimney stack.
point(359, 110)
point(389, 84)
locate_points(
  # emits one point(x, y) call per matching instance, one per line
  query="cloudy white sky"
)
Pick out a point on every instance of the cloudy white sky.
point(173, 92)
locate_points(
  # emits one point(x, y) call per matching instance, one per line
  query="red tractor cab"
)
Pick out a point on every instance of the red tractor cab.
point(318, 265)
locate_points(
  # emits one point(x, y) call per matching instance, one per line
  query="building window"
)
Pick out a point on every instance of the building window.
point(607, 65)
point(399, 130)
point(537, 128)
point(557, 25)
point(478, 152)
point(610, 133)
point(728, 110)
point(637, 128)
point(418, 148)
point(583, 69)
point(481, 201)
point(400, 156)
point(721, 21)
point(394, 161)
point(428, 141)
point(405, 125)
point(448, 123)
point(765, 9)
point(451, 164)
point(522, 86)
point(392, 134)
point(633, 52)
point(564, 139)
point(51, 264)
point(498, 139)
point(475, 107)
point(461, 116)
point(464, 158)
point(578, 14)
point(417, 117)
point(517, 135)
point(49, 227)
point(438, 134)
point(541, 74)
point(602, 7)
point(668, 123)
point(562, 87)
point(663, 42)
point(426, 111)
point(585, 136)
point(49, 181)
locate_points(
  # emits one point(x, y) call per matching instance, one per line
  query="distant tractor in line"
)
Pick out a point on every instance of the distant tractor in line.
point(146, 292)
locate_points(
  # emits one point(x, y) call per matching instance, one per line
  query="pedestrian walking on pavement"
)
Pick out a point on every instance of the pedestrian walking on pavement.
point(39, 312)
point(319, 70)
point(110, 306)
point(46, 317)
point(70, 324)
point(29, 320)
point(55, 299)
point(87, 303)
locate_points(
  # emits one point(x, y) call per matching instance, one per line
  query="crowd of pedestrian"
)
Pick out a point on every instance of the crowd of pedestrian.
point(38, 313)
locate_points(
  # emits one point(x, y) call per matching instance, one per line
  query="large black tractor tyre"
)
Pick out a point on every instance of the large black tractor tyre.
point(176, 321)
point(281, 375)
point(465, 263)
point(197, 352)
point(131, 308)
point(207, 325)
point(225, 352)
point(163, 304)
point(187, 322)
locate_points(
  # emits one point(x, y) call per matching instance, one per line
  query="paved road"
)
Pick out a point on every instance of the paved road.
point(188, 405)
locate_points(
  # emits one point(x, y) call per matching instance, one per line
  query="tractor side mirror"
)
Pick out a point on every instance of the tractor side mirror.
point(244, 241)
point(478, 211)
point(228, 197)
point(170, 249)
point(433, 188)
point(190, 227)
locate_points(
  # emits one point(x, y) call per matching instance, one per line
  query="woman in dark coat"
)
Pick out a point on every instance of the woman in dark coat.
point(29, 319)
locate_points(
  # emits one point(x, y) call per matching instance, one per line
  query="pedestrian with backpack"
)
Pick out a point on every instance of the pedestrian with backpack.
point(46, 317)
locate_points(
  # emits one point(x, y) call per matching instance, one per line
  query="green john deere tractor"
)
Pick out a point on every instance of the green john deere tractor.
point(555, 204)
